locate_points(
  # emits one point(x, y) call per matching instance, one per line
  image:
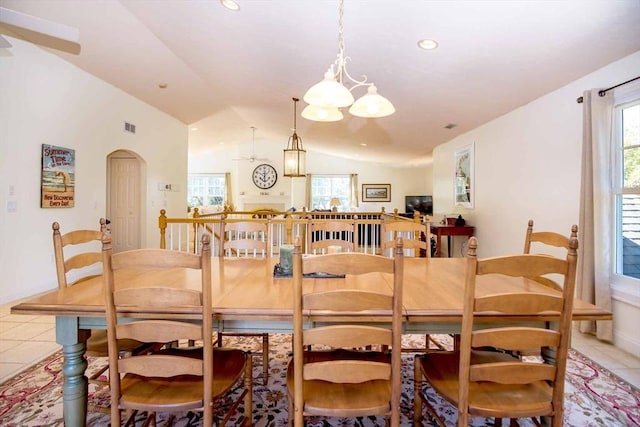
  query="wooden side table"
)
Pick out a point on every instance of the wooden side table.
point(439, 230)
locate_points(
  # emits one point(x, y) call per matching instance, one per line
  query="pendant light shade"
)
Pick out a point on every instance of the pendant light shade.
point(372, 105)
point(294, 155)
point(321, 114)
point(328, 93)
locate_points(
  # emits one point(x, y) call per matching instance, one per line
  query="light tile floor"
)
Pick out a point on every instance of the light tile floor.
point(25, 340)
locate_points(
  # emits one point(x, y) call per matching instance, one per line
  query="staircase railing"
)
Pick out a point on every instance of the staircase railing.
point(183, 233)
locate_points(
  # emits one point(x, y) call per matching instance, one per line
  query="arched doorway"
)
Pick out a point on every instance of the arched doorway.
point(126, 189)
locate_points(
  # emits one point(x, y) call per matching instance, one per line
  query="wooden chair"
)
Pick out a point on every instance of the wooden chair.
point(173, 380)
point(326, 375)
point(412, 242)
point(325, 233)
point(78, 258)
point(547, 238)
point(249, 239)
point(411, 233)
point(244, 238)
point(483, 382)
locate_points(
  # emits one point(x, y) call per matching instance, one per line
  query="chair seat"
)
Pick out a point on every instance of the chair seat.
point(486, 399)
point(347, 400)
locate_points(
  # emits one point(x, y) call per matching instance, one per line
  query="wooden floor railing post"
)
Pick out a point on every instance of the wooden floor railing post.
point(288, 225)
point(162, 224)
point(196, 214)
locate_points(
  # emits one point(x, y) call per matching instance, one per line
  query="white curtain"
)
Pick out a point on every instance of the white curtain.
point(354, 190)
point(228, 194)
point(307, 192)
point(595, 252)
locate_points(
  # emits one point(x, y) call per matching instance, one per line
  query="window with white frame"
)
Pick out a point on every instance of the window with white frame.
point(626, 190)
point(205, 189)
point(324, 188)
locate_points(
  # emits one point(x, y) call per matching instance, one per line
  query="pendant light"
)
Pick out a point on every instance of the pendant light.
point(294, 154)
point(326, 97)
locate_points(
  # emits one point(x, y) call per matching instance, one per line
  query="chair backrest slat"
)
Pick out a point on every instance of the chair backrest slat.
point(347, 371)
point(340, 336)
point(347, 263)
point(163, 366)
point(522, 303)
point(512, 373)
point(157, 297)
point(347, 300)
point(515, 338)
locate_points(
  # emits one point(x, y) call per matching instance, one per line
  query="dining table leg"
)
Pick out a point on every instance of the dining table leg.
point(75, 386)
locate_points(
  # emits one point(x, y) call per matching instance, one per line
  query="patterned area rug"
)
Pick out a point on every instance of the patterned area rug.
point(594, 396)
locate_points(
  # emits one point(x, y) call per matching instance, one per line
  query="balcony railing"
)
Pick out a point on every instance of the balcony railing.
point(182, 234)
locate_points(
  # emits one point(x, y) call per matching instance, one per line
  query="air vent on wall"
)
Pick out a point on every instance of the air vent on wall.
point(128, 127)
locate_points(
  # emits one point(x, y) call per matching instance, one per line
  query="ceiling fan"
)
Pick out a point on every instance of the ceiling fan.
point(38, 31)
point(252, 158)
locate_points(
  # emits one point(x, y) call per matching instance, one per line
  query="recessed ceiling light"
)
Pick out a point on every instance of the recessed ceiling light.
point(163, 85)
point(230, 4)
point(427, 44)
point(194, 129)
point(364, 144)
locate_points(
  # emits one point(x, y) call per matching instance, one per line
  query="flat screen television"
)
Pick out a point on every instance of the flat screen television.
point(422, 204)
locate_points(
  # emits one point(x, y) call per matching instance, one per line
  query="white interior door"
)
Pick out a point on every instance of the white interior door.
point(124, 201)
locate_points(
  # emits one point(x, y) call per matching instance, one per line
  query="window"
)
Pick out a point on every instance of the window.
point(205, 190)
point(326, 187)
point(627, 189)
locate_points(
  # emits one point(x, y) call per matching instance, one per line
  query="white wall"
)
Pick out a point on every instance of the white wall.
point(527, 166)
point(45, 100)
point(290, 191)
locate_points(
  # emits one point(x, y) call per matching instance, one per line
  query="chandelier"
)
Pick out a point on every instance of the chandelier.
point(294, 154)
point(327, 97)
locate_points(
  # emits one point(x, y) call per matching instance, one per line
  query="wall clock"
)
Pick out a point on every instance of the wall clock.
point(265, 176)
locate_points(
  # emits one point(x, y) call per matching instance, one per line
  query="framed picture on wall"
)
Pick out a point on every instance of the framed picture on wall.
point(376, 192)
point(464, 159)
point(57, 185)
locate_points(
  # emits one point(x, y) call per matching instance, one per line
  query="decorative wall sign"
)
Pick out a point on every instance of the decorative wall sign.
point(376, 192)
point(58, 177)
point(463, 176)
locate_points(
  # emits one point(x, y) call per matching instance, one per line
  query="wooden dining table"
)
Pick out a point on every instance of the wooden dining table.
point(247, 297)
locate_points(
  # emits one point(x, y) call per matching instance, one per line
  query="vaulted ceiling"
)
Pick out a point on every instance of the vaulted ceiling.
point(227, 70)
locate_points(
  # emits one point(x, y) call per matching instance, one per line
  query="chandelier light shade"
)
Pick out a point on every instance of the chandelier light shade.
point(322, 114)
point(329, 93)
point(294, 155)
point(332, 94)
point(372, 105)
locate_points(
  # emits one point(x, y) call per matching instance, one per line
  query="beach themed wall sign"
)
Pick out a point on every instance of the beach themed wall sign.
point(58, 177)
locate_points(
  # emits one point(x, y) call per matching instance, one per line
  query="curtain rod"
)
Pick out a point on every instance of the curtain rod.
point(604, 91)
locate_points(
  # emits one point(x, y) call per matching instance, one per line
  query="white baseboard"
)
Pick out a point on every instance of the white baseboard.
point(627, 343)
